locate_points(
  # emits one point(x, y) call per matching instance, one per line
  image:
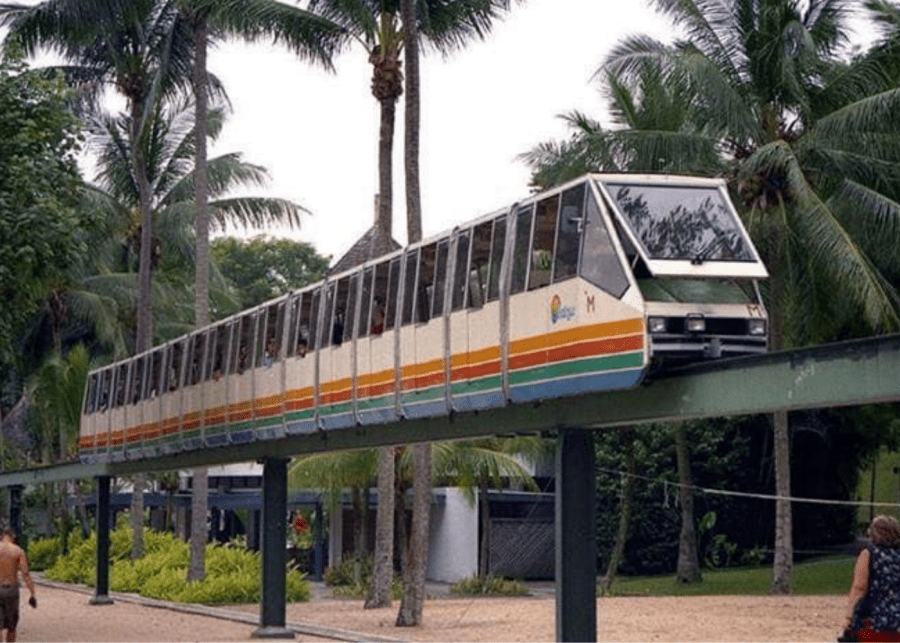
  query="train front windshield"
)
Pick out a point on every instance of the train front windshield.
point(678, 228)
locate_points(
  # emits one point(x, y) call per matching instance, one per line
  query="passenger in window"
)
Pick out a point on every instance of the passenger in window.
point(337, 328)
point(242, 359)
point(378, 317)
point(271, 352)
point(302, 347)
point(217, 373)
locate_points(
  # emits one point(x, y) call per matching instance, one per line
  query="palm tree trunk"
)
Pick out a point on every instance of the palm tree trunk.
point(385, 163)
point(413, 601)
point(782, 568)
point(383, 568)
point(412, 120)
point(144, 333)
point(626, 436)
point(200, 489)
point(688, 570)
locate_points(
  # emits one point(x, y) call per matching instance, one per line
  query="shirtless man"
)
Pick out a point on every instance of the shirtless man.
point(12, 561)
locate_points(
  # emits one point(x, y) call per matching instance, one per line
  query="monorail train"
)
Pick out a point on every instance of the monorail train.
point(580, 288)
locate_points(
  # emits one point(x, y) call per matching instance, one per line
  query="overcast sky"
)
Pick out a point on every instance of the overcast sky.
point(317, 133)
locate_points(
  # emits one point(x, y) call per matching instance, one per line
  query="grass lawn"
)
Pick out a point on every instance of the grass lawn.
point(831, 575)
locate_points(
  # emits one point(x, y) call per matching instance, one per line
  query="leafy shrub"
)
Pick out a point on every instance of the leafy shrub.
point(489, 585)
point(345, 572)
point(43, 553)
point(232, 573)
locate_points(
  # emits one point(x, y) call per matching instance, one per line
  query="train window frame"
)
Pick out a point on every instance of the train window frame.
point(136, 383)
point(540, 269)
point(441, 275)
point(392, 302)
point(425, 283)
point(578, 222)
point(120, 388)
point(157, 360)
point(410, 279)
point(89, 405)
point(479, 272)
point(367, 292)
point(459, 292)
point(350, 308)
point(596, 218)
point(496, 262)
point(521, 258)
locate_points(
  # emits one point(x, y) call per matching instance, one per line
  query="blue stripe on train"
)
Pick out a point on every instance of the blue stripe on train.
point(559, 387)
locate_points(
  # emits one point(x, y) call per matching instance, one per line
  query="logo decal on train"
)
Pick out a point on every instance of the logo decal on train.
point(559, 312)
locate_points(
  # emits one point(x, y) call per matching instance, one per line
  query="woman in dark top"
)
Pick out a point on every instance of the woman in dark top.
point(873, 612)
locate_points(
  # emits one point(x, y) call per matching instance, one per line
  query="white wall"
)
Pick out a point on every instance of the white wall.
point(453, 538)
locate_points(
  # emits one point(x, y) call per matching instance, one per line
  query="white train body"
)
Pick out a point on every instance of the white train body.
point(578, 289)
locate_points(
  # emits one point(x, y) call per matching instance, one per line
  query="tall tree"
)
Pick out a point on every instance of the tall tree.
point(811, 149)
point(309, 35)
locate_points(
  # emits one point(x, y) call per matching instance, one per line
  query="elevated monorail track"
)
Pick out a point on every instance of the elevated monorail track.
point(864, 371)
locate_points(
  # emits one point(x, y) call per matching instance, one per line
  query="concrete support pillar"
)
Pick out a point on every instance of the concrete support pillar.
point(274, 554)
point(576, 539)
point(101, 591)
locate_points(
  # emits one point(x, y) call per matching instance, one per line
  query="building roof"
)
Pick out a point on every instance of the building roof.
point(373, 244)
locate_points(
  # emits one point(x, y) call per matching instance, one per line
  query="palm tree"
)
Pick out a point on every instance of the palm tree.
point(809, 143)
point(135, 47)
point(309, 36)
point(378, 26)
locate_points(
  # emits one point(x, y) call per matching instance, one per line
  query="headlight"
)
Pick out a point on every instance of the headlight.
point(695, 323)
point(656, 324)
point(757, 326)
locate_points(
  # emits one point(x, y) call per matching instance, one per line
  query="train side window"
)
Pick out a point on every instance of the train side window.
point(379, 298)
point(105, 393)
point(137, 380)
point(498, 243)
point(197, 353)
point(90, 395)
point(568, 237)
point(409, 287)
point(293, 322)
point(314, 319)
point(480, 263)
point(350, 311)
point(270, 335)
point(425, 287)
point(155, 374)
point(440, 278)
point(327, 312)
point(460, 272)
point(520, 250)
point(242, 344)
point(304, 324)
point(600, 263)
point(542, 243)
point(121, 385)
point(337, 318)
point(365, 305)
point(220, 350)
point(393, 287)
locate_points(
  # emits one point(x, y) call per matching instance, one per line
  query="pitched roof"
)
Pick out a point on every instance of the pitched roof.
point(373, 244)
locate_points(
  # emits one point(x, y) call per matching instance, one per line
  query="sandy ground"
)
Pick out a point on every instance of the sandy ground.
point(66, 615)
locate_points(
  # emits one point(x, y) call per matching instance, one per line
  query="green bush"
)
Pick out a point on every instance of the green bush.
point(43, 553)
point(345, 572)
point(232, 573)
point(490, 585)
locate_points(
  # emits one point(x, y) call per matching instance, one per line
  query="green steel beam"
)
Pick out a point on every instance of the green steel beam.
point(849, 373)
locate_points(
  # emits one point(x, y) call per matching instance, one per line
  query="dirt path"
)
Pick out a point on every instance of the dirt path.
point(66, 615)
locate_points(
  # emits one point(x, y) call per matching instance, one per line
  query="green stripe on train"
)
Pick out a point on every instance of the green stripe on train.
point(577, 367)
